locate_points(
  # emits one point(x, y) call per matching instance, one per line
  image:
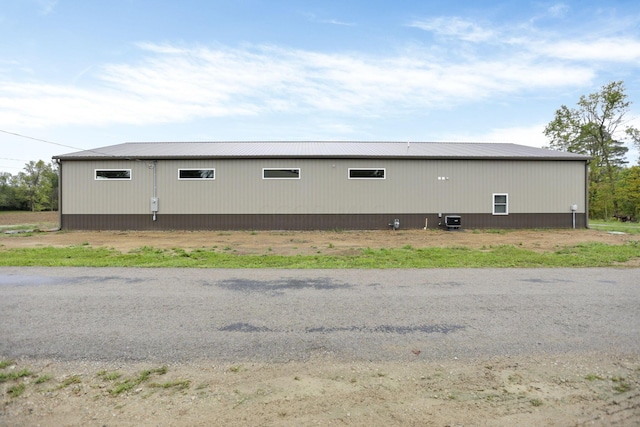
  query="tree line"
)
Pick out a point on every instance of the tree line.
point(35, 188)
point(598, 126)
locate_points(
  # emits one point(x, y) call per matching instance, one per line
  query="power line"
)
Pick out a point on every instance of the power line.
point(51, 142)
point(14, 160)
point(41, 140)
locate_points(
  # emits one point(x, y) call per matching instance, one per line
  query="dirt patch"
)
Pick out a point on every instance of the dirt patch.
point(299, 242)
point(571, 390)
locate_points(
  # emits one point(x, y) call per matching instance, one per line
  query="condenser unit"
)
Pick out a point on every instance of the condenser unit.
point(452, 222)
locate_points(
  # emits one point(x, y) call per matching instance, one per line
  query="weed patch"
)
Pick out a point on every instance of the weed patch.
point(130, 383)
point(179, 385)
point(620, 385)
point(109, 376)
point(12, 376)
point(593, 377)
point(16, 390)
point(5, 363)
point(74, 379)
point(536, 402)
point(42, 379)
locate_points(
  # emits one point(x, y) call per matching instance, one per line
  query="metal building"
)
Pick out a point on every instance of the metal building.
point(321, 185)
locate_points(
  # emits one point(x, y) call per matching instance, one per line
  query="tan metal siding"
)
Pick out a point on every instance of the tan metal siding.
point(411, 186)
point(85, 195)
point(533, 186)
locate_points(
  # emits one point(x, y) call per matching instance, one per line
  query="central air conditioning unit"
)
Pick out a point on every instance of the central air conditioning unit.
point(452, 222)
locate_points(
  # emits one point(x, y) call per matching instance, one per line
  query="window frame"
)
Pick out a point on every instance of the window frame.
point(495, 204)
point(384, 171)
point(96, 178)
point(282, 177)
point(196, 179)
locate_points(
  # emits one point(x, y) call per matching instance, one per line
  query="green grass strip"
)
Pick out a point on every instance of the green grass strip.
point(582, 255)
point(624, 227)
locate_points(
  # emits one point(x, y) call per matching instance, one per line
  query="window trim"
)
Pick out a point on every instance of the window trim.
point(384, 170)
point(505, 204)
point(282, 169)
point(196, 179)
point(95, 175)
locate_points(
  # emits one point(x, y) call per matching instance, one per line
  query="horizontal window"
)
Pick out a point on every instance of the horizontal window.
point(197, 174)
point(367, 173)
point(113, 174)
point(501, 204)
point(281, 173)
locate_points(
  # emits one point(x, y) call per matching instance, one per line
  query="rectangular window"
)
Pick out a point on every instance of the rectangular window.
point(113, 174)
point(367, 173)
point(196, 174)
point(293, 173)
point(501, 204)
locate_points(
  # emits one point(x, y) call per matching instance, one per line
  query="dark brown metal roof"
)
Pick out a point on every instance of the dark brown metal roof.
point(319, 149)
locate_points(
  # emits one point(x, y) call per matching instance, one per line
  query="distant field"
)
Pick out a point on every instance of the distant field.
point(24, 219)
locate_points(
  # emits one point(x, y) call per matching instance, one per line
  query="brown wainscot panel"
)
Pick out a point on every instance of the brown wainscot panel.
point(315, 221)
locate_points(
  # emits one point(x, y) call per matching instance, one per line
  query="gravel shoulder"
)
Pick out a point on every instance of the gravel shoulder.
point(566, 390)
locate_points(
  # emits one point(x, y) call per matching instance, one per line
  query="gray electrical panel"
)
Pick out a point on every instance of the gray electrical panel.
point(154, 204)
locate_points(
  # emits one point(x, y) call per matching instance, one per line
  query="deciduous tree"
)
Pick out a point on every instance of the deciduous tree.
point(34, 185)
point(597, 127)
point(8, 197)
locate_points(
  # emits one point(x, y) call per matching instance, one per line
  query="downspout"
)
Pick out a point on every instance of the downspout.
point(59, 163)
point(586, 194)
point(154, 201)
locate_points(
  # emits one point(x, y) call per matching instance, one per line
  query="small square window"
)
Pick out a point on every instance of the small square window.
point(501, 204)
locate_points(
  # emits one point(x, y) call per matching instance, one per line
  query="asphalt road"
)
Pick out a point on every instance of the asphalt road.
point(170, 315)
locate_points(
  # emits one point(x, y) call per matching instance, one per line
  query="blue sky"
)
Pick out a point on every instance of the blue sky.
point(87, 74)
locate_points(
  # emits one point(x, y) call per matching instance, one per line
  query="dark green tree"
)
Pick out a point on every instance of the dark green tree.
point(35, 185)
point(51, 176)
point(8, 196)
point(629, 186)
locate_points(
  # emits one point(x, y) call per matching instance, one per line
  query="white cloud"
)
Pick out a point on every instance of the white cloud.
point(523, 135)
point(46, 6)
point(621, 49)
point(337, 22)
point(558, 10)
point(176, 84)
point(171, 84)
point(455, 28)
point(314, 18)
point(528, 135)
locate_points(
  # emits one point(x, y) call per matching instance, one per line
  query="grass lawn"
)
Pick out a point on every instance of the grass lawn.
point(583, 255)
point(624, 227)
